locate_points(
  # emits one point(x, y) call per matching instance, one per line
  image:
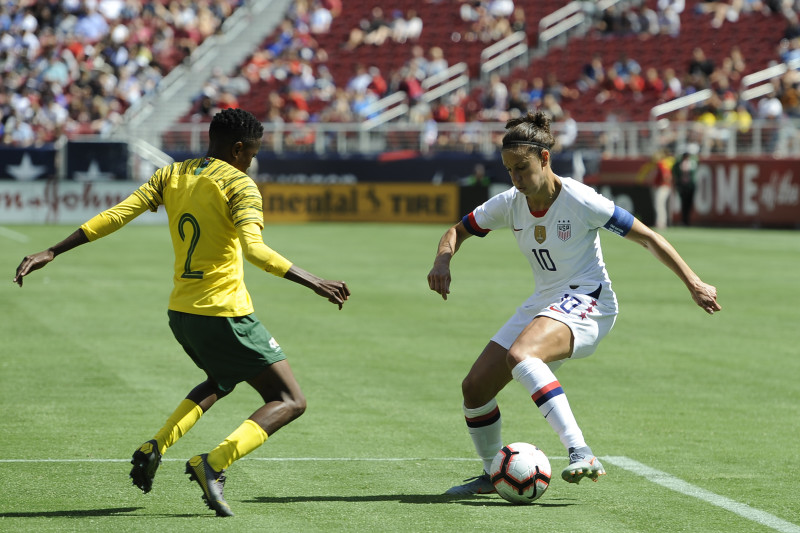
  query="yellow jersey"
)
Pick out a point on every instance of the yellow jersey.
point(206, 199)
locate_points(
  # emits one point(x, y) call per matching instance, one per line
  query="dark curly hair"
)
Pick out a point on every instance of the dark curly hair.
point(531, 132)
point(234, 125)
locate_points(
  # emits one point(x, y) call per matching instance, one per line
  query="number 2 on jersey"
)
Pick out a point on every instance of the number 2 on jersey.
point(543, 258)
point(187, 266)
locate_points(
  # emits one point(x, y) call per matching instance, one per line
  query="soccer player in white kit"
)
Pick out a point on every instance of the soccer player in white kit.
point(556, 223)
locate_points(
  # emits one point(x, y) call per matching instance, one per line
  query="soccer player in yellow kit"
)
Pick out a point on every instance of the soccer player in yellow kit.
point(215, 220)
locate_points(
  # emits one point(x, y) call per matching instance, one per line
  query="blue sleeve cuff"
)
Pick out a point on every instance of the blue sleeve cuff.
point(620, 222)
point(472, 226)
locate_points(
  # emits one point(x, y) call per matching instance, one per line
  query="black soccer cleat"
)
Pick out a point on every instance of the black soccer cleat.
point(145, 462)
point(212, 483)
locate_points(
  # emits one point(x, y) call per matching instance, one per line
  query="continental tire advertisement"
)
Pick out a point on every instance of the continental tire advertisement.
point(361, 202)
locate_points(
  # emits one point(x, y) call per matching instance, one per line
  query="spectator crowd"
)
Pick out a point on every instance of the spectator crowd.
point(73, 67)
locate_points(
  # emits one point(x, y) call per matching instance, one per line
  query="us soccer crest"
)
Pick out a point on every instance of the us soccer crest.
point(540, 234)
point(564, 229)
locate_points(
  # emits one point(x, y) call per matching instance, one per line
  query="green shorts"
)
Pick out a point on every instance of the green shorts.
point(229, 349)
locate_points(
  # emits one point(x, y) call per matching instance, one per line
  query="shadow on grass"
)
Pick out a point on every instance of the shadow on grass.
point(83, 513)
point(402, 498)
point(476, 501)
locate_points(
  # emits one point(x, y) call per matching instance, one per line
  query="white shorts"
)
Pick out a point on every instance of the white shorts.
point(589, 316)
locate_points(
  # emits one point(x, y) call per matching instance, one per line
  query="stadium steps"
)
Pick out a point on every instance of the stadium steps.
point(240, 35)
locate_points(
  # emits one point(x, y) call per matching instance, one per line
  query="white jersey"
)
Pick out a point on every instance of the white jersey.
point(562, 245)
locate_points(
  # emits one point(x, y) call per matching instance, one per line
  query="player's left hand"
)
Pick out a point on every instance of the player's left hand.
point(705, 296)
point(335, 291)
point(32, 262)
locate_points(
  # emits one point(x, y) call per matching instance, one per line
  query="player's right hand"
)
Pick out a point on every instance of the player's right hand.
point(439, 280)
point(32, 262)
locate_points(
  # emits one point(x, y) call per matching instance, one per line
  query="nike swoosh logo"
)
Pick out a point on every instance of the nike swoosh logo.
point(515, 229)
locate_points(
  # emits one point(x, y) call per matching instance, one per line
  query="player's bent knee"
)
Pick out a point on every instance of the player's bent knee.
point(467, 387)
point(474, 391)
point(515, 357)
point(297, 406)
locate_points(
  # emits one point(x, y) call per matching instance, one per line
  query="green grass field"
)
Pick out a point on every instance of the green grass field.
point(89, 370)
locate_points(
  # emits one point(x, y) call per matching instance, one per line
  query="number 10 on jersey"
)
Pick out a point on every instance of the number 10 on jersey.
point(543, 258)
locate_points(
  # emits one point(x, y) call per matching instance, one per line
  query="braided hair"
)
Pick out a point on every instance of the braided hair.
point(234, 125)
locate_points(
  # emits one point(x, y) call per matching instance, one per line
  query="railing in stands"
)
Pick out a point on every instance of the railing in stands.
point(146, 159)
point(385, 109)
point(777, 138)
point(680, 103)
point(503, 52)
point(445, 82)
point(559, 22)
point(780, 142)
point(573, 17)
point(435, 87)
point(758, 83)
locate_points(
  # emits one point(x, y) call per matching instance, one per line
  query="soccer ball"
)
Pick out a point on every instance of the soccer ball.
point(520, 472)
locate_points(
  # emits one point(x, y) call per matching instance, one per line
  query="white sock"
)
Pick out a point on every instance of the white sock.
point(547, 394)
point(484, 426)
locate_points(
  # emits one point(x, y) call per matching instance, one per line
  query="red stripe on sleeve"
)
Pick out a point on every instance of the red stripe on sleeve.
point(475, 224)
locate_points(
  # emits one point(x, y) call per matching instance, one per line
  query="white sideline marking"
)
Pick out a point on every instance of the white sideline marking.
point(13, 235)
point(678, 485)
point(656, 476)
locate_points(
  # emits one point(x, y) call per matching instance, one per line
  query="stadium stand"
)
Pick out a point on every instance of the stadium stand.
point(658, 52)
point(72, 68)
point(328, 61)
point(643, 31)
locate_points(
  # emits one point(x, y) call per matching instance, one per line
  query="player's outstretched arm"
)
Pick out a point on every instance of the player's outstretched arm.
point(38, 260)
point(100, 225)
point(261, 255)
point(703, 294)
point(439, 277)
point(336, 292)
